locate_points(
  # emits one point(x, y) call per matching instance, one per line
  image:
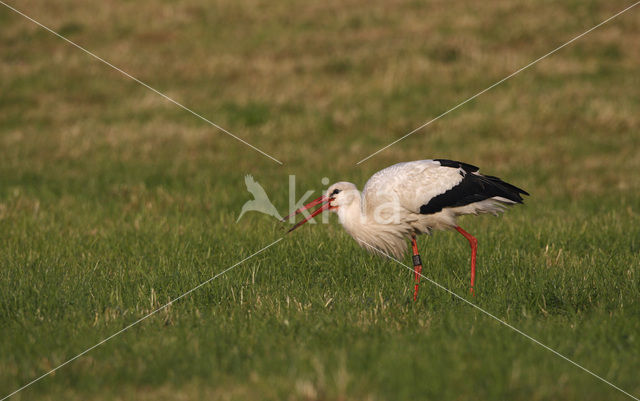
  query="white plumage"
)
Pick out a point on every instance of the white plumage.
point(387, 211)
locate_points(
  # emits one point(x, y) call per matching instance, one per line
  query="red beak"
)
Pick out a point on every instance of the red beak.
point(309, 205)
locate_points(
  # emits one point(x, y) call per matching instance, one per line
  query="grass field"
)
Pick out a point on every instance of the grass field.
point(114, 201)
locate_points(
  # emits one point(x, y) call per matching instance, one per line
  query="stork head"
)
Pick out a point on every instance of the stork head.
point(340, 194)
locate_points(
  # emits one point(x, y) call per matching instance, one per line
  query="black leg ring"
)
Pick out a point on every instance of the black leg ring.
point(416, 260)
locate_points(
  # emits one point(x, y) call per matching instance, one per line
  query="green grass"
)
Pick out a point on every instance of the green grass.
point(114, 201)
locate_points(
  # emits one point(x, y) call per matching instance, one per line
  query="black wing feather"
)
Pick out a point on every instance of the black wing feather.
point(474, 187)
point(468, 168)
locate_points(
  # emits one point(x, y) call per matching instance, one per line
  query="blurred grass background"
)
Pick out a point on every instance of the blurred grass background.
point(113, 200)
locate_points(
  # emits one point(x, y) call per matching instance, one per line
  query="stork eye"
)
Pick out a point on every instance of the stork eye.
point(335, 191)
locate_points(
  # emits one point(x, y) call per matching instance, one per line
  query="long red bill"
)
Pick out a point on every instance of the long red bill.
point(307, 206)
point(314, 214)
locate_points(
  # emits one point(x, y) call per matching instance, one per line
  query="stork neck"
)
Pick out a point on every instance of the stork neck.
point(351, 214)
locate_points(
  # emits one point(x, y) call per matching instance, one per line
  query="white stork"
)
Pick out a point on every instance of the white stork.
point(413, 198)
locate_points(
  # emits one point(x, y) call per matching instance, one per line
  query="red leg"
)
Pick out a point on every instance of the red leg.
point(417, 266)
point(474, 249)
